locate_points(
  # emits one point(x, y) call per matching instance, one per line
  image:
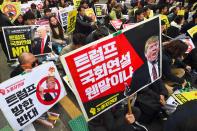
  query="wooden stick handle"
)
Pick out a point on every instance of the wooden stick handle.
point(129, 105)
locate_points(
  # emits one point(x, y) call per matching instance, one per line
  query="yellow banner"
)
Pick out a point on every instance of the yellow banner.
point(90, 13)
point(72, 17)
point(181, 12)
point(11, 9)
point(192, 31)
point(165, 19)
point(76, 3)
point(185, 96)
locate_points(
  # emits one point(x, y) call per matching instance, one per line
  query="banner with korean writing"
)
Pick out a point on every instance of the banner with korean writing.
point(63, 13)
point(72, 17)
point(35, 39)
point(76, 3)
point(90, 13)
point(26, 97)
point(104, 72)
point(101, 10)
point(11, 9)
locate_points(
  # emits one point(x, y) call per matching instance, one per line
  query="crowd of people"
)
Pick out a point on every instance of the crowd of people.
point(176, 63)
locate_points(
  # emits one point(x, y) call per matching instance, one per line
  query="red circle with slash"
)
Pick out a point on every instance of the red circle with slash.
point(57, 91)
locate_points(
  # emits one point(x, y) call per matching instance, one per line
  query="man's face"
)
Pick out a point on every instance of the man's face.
point(152, 51)
point(31, 21)
point(140, 17)
point(165, 10)
point(51, 83)
point(42, 32)
point(82, 12)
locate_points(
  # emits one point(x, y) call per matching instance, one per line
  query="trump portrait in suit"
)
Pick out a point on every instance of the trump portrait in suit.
point(149, 71)
point(41, 44)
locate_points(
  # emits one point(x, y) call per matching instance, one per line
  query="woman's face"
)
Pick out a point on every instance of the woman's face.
point(53, 21)
point(20, 19)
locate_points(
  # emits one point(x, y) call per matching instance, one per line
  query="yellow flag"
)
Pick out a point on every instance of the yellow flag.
point(72, 17)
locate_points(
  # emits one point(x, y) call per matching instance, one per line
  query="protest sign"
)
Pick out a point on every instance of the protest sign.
point(42, 22)
point(185, 97)
point(192, 31)
point(190, 44)
point(21, 39)
point(181, 12)
point(11, 9)
point(72, 17)
point(165, 19)
point(124, 26)
point(63, 13)
point(90, 13)
point(76, 3)
point(25, 7)
point(24, 97)
point(104, 72)
point(101, 10)
point(116, 24)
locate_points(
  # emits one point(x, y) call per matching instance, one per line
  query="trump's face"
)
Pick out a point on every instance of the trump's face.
point(152, 51)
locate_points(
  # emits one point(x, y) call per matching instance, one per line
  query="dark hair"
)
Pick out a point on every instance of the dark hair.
point(178, 19)
point(79, 39)
point(138, 12)
point(79, 8)
point(60, 29)
point(83, 2)
point(33, 6)
point(162, 7)
point(29, 16)
point(176, 48)
point(100, 32)
point(47, 10)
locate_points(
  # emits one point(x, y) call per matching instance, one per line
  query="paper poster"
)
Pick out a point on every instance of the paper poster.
point(72, 17)
point(101, 10)
point(11, 9)
point(104, 72)
point(90, 13)
point(24, 98)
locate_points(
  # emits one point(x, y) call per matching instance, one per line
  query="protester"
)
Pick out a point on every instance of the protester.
point(58, 37)
point(27, 61)
point(35, 11)
point(47, 13)
point(19, 20)
point(171, 56)
point(29, 18)
point(184, 118)
point(78, 41)
point(116, 12)
point(84, 24)
point(4, 21)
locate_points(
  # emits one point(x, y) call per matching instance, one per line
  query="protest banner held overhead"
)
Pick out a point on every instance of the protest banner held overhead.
point(90, 13)
point(104, 72)
point(11, 9)
point(34, 39)
point(24, 97)
point(63, 13)
point(101, 10)
point(72, 17)
point(76, 3)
